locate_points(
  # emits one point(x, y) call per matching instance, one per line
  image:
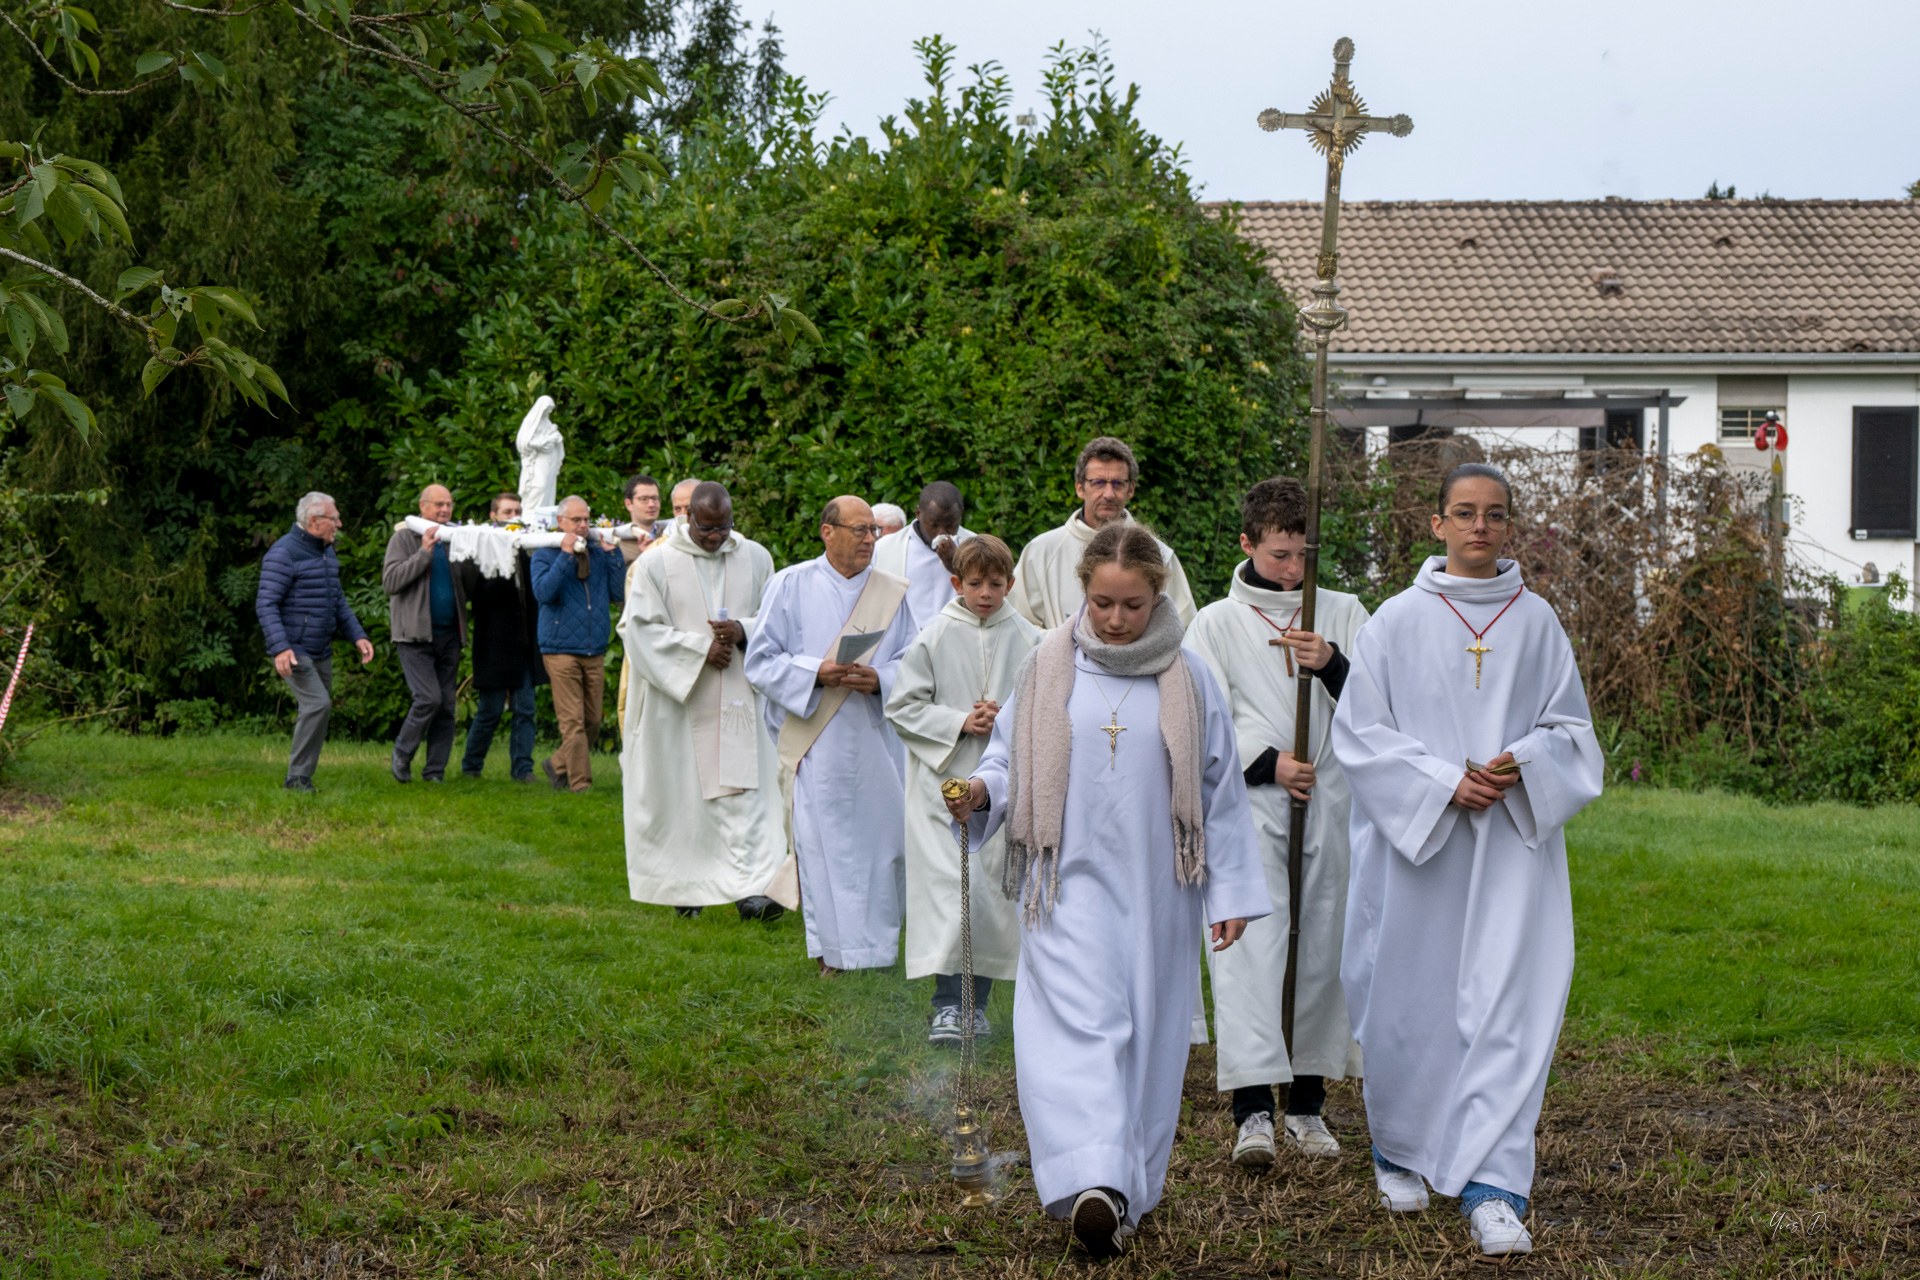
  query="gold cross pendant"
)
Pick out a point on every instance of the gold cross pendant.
point(1113, 729)
point(1287, 648)
point(1479, 649)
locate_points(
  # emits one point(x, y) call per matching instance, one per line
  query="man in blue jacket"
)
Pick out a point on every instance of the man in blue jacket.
point(301, 609)
point(578, 587)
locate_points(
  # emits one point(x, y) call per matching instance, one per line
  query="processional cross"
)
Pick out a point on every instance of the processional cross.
point(1336, 123)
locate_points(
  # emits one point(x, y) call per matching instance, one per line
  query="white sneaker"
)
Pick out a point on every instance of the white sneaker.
point(945, 1027)
point(981, 1027)
point(1400, 1192)
point(1100, 1224)
point(1308, 1135)
point(1497, 1229)
point(1253, 1149)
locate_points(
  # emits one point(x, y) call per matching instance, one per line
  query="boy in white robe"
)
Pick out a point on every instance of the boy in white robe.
point(825, 652)
point(1253, 645)
point(1465, 734)
point(946, 697)
point(1114, 769)
point(703, 810)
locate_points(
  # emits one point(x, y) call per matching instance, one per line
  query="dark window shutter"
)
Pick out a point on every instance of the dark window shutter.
point(1886, 472)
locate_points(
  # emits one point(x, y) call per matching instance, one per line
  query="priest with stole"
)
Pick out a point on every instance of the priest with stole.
point(829, 640)
point(703, 811)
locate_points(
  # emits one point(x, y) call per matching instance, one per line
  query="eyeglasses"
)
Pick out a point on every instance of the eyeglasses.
point(859, 530)
point(1109, 486)
point(330, 519)
point(1464, 518)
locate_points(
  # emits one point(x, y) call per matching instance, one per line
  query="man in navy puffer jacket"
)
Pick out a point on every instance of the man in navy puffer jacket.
point(301, 609)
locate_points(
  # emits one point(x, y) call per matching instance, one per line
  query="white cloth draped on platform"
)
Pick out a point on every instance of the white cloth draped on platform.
point(703, 822)
point(957, 660)
point(493, 548)
point(1108, 980)
point(849, 791)
point(1249, 977)
point(1046, 586)
point(905, 554)
point(1459, 948)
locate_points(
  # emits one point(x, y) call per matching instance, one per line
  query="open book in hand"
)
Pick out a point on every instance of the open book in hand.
point(854, 646)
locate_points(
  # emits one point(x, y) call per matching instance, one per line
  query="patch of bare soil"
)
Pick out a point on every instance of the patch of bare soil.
point(18, 804)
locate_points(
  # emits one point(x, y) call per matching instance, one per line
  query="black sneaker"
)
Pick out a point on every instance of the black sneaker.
point(304, 785)
point(1100, 1222)
point(760, 907)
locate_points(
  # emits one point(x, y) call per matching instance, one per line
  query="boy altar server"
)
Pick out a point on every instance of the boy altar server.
point(1465, 733)
point(1253, 645)
point(952, 681)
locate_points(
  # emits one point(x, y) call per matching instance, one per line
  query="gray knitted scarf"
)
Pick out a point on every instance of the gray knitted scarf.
point(1042, 747)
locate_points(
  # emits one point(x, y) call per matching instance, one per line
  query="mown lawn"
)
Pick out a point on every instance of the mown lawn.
point(419, 1031)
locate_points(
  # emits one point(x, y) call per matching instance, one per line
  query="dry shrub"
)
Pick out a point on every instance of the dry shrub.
point(1661, 572)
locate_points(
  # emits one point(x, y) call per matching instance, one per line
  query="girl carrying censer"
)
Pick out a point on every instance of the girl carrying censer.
point(1114, 769)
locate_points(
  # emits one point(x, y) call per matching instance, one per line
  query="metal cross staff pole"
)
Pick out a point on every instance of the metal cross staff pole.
point(1336, 124)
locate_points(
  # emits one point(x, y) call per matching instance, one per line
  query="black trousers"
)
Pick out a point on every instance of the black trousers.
point(1305, 1097)
point(947, 990)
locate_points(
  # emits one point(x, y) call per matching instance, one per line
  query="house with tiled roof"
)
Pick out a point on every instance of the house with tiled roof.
point(1658, 325)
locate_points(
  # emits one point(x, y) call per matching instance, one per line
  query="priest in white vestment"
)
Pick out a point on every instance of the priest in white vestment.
point(1114, 768)
point(945, 702)
point(700, 776)
point(1236, 636)
point(829, 640)
point(1459, 949)
point(1047, 588)
point(921, 552)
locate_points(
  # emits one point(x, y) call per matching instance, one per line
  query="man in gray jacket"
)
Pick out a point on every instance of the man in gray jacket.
point(427, 610)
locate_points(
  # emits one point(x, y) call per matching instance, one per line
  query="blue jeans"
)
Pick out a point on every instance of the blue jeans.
point(488, 706)
point(1473, 1195)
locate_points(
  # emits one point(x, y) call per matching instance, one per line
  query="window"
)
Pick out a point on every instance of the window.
point(1738, 425)
point(1745, 403)
point(1885, 474)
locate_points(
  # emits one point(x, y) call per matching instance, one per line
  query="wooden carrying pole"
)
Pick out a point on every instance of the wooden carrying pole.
point(1336, 124)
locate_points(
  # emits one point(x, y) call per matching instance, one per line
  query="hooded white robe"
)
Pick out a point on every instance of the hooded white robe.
point(905, 554)
point(1107, 982)
point(958, 659)
point(702, 806)
point(1248, 978)
point(1459, 946)
point(849, 792)
point(1046, 582)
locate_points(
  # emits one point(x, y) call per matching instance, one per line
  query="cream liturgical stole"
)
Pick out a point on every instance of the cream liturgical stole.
point(872, 614)
point(722, 711)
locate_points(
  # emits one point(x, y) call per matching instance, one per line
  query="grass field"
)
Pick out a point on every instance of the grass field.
point(408, 1032)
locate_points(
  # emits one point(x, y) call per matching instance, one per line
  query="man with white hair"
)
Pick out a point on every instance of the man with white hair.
point(890, 517)
point(301, 609)
point(577, 585)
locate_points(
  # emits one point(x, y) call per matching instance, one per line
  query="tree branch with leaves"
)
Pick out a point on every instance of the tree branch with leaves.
point(496, 65)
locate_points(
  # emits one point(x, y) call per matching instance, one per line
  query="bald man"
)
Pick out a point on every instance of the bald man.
point(427, 612)
point(824, 652)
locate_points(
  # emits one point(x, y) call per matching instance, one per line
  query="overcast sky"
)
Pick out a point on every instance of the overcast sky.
point(1511, 99)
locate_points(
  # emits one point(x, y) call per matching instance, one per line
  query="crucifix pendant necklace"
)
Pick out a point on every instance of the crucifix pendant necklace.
point(1279, 641)
point(1480, 648)
point(1113, 728)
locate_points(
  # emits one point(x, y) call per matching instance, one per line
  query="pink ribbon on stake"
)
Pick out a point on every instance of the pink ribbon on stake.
point(13, 682)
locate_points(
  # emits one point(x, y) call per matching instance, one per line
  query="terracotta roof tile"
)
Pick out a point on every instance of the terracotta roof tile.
point(1664, 276)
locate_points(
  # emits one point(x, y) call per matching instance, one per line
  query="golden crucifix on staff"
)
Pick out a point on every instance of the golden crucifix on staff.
point(1336, 124)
